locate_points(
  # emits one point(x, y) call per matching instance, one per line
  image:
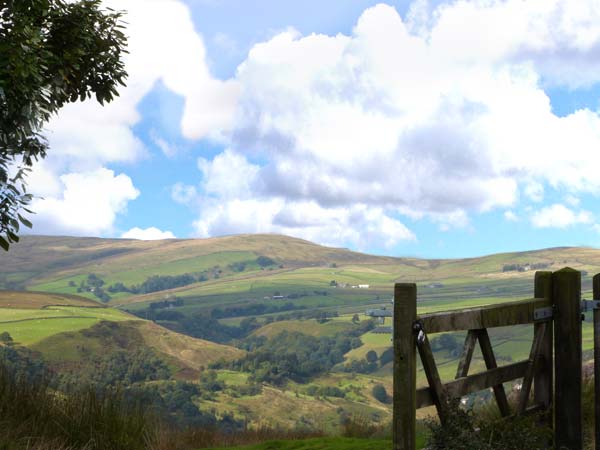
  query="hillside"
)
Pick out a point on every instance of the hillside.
point(217, 272)
point(66, 328)
point(193, 303)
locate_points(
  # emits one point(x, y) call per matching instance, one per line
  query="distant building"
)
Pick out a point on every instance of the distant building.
point(363, 286)
point(277, 297)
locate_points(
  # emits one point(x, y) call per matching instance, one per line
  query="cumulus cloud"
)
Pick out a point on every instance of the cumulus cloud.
point(147, 234)
point(88, 204)
point(559, 216)
point(360, 226)
point(439, 115)
point(510, 216)
point(234, 201)
point(177, 57)
point(85, 137)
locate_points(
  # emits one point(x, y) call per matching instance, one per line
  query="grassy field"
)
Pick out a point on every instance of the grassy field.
point(29, 326)
point(331, 443)
point(311, 327)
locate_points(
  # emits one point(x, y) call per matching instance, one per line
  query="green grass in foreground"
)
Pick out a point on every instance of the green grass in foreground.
point(334, 443)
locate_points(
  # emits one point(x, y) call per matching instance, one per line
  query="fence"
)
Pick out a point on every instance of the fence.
point(553, 369)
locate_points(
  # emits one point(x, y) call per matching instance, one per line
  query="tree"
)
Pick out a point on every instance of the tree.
point(52, 52)
point(355, 318)
point(371, 356)
point(6, 338)
point(380, 393)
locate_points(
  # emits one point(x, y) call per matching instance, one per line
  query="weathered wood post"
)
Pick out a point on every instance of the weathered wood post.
point(405, 367)
point(542, 382)
point(596, 288)
point(566, 289)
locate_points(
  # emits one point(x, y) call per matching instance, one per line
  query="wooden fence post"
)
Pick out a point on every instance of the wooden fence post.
point(405, 367)
point(542, 382)
point(566, 289)
point(596, 284)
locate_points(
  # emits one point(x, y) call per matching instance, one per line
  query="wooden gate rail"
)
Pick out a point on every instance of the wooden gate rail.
point(556, 302)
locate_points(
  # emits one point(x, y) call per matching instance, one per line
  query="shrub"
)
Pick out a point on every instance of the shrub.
point(380, 393)
point(464, 431)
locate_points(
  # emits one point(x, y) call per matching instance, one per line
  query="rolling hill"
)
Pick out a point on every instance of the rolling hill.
point(268, 283)
point(63, 328)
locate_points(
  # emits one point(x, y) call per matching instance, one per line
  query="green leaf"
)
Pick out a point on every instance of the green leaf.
point(4, 244)
point(24, 221)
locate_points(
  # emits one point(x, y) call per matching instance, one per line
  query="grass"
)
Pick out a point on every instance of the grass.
point(37, 300)
point(330, 443)
point(30, 326)
point(310, 327)
point(32, 416)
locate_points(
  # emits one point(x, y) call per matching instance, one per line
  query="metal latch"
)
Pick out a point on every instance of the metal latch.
point(419, 329)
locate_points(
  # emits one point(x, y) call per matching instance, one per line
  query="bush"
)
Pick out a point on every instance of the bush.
point(264, 261)
point(464, 431)
point(380, 393)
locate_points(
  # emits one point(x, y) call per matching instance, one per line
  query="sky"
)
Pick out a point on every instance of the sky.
point(409, 128)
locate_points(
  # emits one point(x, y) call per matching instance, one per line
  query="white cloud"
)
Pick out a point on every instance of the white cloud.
point(183, 193)
point(510, 216)
point(147, 234)
point(165, 147)
point(438, 116)
point(85, 137)
point(228, 175)
point(534, 191)
point(572, 201)
point(559, 216)
point(88, 204)
point(360, 226)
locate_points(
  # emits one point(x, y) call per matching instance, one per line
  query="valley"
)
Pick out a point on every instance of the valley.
point(211, 313)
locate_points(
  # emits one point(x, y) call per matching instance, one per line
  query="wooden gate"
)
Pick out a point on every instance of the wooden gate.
point(553, 367)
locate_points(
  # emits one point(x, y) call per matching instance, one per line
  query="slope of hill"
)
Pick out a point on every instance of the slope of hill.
point(64, 328)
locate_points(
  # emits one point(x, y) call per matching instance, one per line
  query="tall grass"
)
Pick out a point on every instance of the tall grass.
point(34, 416)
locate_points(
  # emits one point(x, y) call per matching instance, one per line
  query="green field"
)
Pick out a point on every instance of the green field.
point(28, 326)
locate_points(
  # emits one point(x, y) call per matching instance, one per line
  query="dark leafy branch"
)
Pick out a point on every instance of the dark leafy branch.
point(51, 53)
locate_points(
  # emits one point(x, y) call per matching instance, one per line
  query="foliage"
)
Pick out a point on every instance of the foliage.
point(119, 368)
point(53, 52)
point(6, 338)
point(371, 356)
point(325, 391)
point(32, 414)
point(237, 266)
point(265, 261)
point(448, 343)
point(464, 431)
point(387, 356)
point(254, 309)
point(380, 393)
point(23, 364)
point(204, 327)
point(295, 356)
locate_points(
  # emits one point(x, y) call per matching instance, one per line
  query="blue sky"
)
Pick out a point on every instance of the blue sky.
point(434, 129)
